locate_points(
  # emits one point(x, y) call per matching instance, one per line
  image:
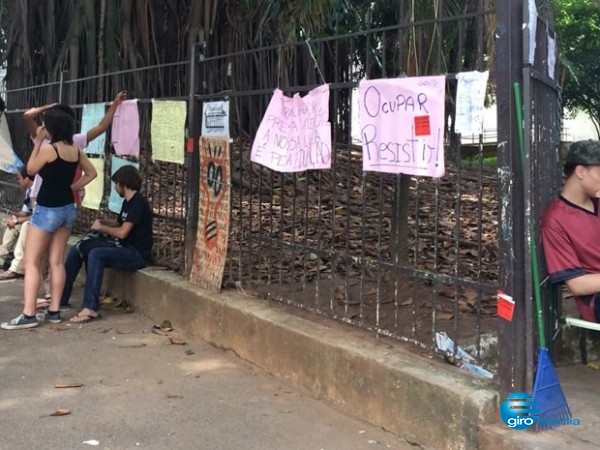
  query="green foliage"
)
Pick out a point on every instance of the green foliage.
point(476, 161)
point(578, 26)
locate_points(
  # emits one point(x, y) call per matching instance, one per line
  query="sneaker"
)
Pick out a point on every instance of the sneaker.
point(20, 322)
point(10, 275)
point(47, 316)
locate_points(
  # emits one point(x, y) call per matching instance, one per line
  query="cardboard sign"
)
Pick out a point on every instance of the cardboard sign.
point(213, 214)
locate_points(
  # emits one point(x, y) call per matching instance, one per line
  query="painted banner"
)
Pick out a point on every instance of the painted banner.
point(215, 118)
point(295, 134)
point(213, 214)
point(168, 130)
point(91, 116)
point(94, 191)
point(402, 125)
point(470, 100)
point(114, 200)
point(9, 161)
point(125, 130)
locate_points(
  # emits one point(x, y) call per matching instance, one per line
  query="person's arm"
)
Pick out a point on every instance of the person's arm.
point(110, 222)
point(30, 116)
point(38, 158)
point(88, 169)
point(106, 121)
point(22, 213)
point(17, 219)
point(120, 231)
point(584, 285)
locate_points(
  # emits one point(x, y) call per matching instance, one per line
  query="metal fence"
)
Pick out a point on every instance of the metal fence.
point(164, 183)
point(406, 257)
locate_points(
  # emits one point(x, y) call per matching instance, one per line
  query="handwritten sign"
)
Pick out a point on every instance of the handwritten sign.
point(213, 214)
point(125, 129)
point(402, 125)
point(295, 133)
point(95, 190)
point(9, 161)
point(470, 100)
point(91, 116)
point(168, 130)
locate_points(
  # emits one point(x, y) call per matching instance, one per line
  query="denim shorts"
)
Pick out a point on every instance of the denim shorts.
point(50, 219)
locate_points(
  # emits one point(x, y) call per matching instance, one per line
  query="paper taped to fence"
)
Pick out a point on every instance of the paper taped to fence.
point(213, 214)
point(215, 118)
point(114, 201)
point(295, 133)
point(94, 191)
point(168, 130)
point(91, 116)
point(125, 130)
point(402, 125)
point(9, 161)
point(505, 306)
point(470, 100)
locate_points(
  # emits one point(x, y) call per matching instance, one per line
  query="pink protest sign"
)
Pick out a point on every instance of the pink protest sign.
point(402, 125)
point(125, 130)
point(295, 134)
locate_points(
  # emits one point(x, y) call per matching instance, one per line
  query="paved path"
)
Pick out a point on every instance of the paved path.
point(140, 391)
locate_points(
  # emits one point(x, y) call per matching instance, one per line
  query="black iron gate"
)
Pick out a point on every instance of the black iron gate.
point(407, 257)
point(526, 63)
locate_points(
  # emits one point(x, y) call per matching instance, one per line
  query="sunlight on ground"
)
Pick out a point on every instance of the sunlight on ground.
point(207, 365)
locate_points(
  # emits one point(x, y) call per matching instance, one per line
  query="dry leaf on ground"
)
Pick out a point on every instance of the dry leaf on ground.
point(67, 385)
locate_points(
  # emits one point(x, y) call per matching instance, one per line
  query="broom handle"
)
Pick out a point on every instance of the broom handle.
point(532, 245)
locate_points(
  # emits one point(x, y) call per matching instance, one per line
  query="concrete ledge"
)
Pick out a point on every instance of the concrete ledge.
point(428, 402)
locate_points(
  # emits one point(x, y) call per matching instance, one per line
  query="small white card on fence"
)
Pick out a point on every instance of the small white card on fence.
point(215, 119)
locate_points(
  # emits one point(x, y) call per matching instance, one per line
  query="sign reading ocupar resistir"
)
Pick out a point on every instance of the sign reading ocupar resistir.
point(402, 125)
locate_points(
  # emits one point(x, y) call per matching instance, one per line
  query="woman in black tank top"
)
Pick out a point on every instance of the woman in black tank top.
point(56, 159)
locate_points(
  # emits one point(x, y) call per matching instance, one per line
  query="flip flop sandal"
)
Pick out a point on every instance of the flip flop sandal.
point(84, 318)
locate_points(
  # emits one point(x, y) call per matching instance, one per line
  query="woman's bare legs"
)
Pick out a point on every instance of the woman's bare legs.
point(56, 259)
point(36, 244)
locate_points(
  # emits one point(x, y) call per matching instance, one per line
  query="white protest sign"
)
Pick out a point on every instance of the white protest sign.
point(295, 134)
point(470, 99)
point(402, 125)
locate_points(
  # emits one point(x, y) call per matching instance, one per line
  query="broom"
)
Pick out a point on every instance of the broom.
point(547, 391)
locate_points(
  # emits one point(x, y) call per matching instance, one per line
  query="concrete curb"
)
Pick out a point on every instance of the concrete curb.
point(428, 402)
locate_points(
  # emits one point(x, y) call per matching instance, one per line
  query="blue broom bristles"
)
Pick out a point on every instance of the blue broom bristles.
point(551, 402)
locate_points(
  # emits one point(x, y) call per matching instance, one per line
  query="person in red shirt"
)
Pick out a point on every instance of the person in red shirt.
point(570, 229)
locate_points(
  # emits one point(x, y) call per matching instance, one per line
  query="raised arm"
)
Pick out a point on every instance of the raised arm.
point(106, 121)
point(88, 169)
point(37, 159)
point(30, 116)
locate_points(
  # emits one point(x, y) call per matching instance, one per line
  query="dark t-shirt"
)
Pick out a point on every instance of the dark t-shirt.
point(137, 211)
point(571, 241)
point(58, 177)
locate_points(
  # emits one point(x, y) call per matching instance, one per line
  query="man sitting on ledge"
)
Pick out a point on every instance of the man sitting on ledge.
point(571, 229)
point(132, 228)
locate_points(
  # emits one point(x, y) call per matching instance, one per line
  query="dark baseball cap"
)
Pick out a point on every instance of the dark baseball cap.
point(586, 153)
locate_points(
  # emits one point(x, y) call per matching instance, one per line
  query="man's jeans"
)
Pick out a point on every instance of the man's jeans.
point(120, 258)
